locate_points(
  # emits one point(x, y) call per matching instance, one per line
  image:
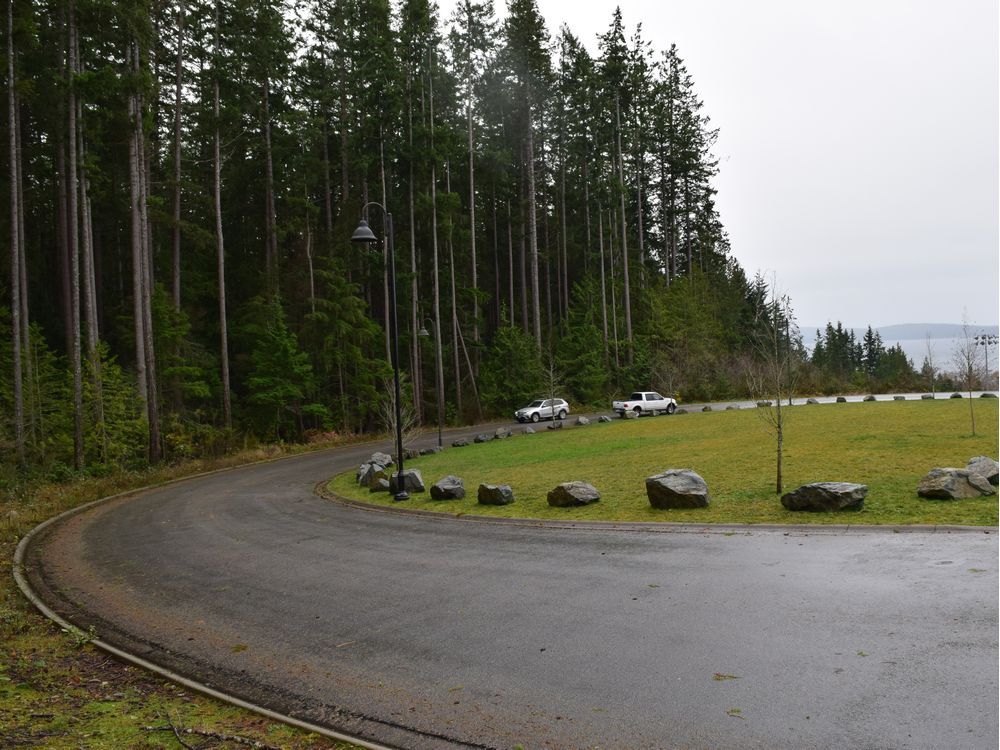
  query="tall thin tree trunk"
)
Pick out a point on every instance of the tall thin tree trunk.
point(272, 217)
point(439, 360)
point(562, 235)
point(523, 266)
point(74, 248)
point(220, 254)
point(385, 245)
point(586, 218)
point(178, 85)
point(472, 221)
point(510, 267)
point(604, 283)
point(454, 302)
point(145, 289)
point(536, 312)
point(496, 257)
point(626, 294)
point(614, 299)
point(15, 244)
point(415, 323)
point(29, 391)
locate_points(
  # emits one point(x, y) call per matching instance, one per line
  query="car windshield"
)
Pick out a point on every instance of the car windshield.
point(535, 403)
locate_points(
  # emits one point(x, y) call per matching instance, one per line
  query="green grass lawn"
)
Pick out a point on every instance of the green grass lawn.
point(888, 446)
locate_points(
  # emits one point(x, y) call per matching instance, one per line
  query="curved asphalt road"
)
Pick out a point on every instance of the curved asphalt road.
point(426, 633)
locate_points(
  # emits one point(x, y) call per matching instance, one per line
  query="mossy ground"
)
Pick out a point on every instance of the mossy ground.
point(57, 691)
point(886, 445)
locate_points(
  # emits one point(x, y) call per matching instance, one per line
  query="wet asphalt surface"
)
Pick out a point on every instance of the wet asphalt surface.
point(426, 633)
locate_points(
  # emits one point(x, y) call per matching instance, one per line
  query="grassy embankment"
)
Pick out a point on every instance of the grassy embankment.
point(887, 445)
point(57, 691)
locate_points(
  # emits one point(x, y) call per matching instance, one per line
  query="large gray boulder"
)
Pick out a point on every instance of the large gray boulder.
point(502, 433)
point(370, 474)
point(604, 418)
point(528, 431)
point(382, 459)
point(841, 400)
point(812, 401)
point(764, 404)
point(460, 443)
point(430, 451)
point(955, 395)
point(412, 481)
point(631, 414)
point(985, 467)
point(569, 494)
point(954, 484)
point(706, 407)
point(495, 494)
point(826, 496)
point(869, 398)
point(448, 488)
point(899, 398)
point(582, 421)
point(677, 488)
point(987, 395)
point(927, 397)
point(379, 485)
point(554, 426)
point(483, 438)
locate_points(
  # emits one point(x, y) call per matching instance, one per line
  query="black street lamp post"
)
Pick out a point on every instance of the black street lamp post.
point(364, 234)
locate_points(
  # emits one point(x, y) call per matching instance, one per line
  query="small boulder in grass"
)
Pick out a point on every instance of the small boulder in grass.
point(956, 395)
point(460, 443)
point(570, 494)
point(826, 497)
point(954, 484)
point(448, 488)
point(483, 438)
point(899, 398)
point(812, 401)
point(528, 431)
point(927, 397)
point(412, 481)
point(986, 467)
point(379, 485)
point(841, 400)
point(582, 421)
point(869, 398)
point(677, 488)
point(604, 418)
point(706, 407)
point(502, 433)
point(495, 494)
point(987, 395)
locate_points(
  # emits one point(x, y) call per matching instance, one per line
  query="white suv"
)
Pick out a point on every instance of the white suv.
point(543, 408)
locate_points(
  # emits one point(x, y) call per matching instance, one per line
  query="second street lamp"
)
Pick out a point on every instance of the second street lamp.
point(364, 235)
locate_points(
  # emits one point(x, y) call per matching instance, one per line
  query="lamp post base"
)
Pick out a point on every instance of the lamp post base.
point(400, 496)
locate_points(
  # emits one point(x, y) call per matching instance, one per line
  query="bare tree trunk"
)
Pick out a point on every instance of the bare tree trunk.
point(30, 402)
point(454, 305)
point(639, 222)
point(90, 288)
point(415, 365)
point(562, 234)
point(74, 249)
point(496, 258)
point(309, 262)
point(145, 288)
point(15, 244)
point(439, 361)
point(614, 296)
point(586, 218)
point(604, 283)
point(385, 245)
point(626, 294)
point(536, 312)
point(327, 199)
point(510, 266)
point(472, 221)
point(178, 84)
point(523, 268)
point(220, 254)
point(345, 183)
point(272, 218)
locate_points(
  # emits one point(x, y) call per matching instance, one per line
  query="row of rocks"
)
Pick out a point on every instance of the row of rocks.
point(501, 433)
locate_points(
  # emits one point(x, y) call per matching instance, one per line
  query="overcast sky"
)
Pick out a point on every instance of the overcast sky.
point(858, 146)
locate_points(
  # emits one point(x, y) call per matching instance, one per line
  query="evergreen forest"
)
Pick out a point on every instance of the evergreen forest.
point(181, 180)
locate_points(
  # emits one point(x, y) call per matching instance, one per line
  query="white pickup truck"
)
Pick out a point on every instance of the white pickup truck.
point(644, 402)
